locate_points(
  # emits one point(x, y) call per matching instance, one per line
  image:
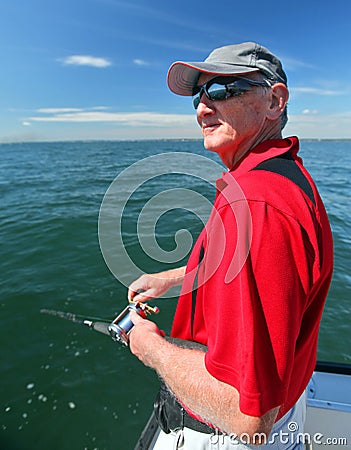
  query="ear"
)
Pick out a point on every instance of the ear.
point(279, 99)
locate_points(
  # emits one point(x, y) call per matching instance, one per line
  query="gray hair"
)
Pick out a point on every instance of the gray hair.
point(284, 115)
point(284, 118)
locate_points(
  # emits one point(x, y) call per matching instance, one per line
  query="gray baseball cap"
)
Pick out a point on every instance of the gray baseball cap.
point(235, 59)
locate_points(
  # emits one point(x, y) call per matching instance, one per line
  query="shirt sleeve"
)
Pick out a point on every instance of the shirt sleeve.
point(255, 307)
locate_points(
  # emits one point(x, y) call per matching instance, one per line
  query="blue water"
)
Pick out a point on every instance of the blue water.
point(65, 387)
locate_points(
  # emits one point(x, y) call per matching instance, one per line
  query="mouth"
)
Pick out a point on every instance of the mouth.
point(207, 127)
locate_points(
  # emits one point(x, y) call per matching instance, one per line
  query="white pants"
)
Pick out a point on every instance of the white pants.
point(287, 434)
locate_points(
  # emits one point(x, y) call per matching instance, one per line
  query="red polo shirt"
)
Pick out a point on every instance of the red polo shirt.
point(265, 270)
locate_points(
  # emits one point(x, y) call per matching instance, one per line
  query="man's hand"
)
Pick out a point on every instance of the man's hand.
point(154, 285)
point(144, 338)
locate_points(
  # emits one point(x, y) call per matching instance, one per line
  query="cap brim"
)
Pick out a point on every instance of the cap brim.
point(182, 77)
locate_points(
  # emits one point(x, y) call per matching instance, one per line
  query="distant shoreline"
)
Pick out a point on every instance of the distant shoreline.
point(87, 141)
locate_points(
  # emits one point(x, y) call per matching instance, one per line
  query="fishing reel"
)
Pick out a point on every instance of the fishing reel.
point(122, 325)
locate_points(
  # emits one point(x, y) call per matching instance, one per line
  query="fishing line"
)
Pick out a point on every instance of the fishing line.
point(72, 316)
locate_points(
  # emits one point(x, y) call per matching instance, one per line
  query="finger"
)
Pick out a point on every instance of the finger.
point(132, 292)
point(142, 296)
point(135, 318)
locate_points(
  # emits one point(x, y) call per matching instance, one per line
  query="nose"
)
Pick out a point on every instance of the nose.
point(205, 107)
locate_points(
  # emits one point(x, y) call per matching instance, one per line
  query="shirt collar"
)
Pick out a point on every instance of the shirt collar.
point(262, 152)
point(266, 150)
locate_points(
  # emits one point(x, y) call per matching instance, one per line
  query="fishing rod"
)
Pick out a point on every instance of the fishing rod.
point(118, 329)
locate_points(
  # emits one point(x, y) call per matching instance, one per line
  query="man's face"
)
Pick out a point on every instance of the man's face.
point(231, 127)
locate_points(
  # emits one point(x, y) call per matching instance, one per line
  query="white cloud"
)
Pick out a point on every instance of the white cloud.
point(140, 62)
point(310, 111)
point(25, 123)
point(86, 60)
point(317, 91)
point(292, 64)
point(57, 110)
point(333, 126)
point(143, 119)
point(99, 108)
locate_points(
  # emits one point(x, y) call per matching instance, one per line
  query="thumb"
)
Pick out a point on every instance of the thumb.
point(135, 318)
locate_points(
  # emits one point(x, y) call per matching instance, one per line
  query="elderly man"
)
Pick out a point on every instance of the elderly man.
point(258, 318)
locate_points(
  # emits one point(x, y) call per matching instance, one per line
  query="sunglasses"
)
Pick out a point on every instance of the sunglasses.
point(221, 88)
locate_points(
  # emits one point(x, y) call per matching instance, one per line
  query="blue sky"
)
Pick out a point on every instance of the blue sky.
point(96, 69)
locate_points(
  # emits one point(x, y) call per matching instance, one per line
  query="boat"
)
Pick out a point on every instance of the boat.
point(328, 417)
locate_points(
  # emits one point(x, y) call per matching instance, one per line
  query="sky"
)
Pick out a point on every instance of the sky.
point(96, 69)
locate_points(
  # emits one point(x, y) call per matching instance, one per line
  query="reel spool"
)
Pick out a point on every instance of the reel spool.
point(122, 325)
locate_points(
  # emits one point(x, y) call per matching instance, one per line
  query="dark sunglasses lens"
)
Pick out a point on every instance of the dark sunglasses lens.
point(217, 92)
point(214, 92)
point(196, 100)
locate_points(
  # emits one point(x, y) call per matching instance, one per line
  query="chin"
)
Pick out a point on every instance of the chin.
point(213, 145)
point(210, 144)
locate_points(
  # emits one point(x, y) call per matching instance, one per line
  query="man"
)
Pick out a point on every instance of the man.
point(257, 279)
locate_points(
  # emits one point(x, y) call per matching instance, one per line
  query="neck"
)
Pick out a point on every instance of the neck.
point(267, 133)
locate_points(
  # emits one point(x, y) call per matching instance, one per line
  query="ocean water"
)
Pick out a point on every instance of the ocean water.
point(63, 386)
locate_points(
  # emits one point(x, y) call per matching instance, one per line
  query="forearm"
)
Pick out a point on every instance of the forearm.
point(174, 277)
point(185, 373)
point(154, 285)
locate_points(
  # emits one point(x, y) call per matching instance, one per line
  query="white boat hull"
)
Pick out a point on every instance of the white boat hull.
point(328, 420)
